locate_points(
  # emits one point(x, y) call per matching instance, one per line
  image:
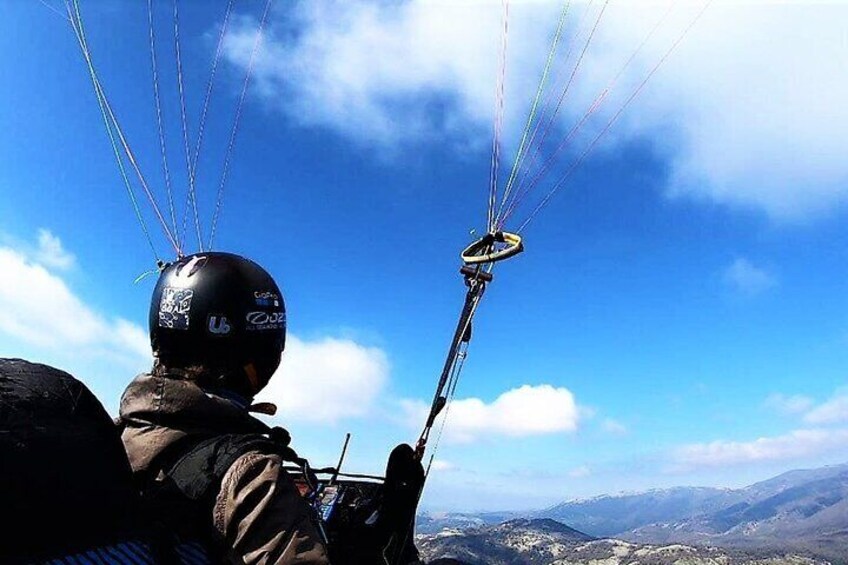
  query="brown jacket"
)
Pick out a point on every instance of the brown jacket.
point(258, 512)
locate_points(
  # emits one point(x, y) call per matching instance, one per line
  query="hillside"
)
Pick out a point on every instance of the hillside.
point(798, 510)
point(607, 516)
point(547, 542)
point(804, 512)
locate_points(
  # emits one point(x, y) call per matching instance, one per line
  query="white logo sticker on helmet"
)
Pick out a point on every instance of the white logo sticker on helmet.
point(174, 308)
point(266, 298)
point(188, 269)
point(219, 325)
point(265, 320)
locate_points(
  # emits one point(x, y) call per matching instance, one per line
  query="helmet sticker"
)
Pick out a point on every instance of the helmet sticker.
point(259, 321)
point(266, 299)
point(192, 266)
point(174, 308)
point(219, 325)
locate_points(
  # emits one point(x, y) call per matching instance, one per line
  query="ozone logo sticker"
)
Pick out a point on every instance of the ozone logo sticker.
point(174, 308)
point(265, 321)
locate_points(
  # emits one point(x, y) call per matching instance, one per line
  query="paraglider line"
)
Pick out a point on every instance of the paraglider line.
point(191, 194)
point(114, 120)
point(55, 10)
point(523, 191)
point(236, 120)
point(498, 126)
point(549, 120)
point(77, 27)
point(532, 114)
point(545, 117)
point(614, 118)
point(157, 102)
point(209, 85)
point(520, 157)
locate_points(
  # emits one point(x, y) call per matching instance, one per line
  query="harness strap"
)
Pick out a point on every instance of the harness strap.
point(185, 482)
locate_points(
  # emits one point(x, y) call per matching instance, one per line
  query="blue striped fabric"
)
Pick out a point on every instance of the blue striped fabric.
point(193, 554)
point(132, 553)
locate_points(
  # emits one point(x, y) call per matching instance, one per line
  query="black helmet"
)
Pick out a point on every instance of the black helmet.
point(222, 312)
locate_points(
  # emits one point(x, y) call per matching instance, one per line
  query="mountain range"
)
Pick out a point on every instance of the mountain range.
point(805, 512)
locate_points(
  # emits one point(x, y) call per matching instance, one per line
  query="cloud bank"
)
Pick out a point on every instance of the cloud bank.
point(747, 111)
point(824, 432)
point(789, 404)
point(521, 412)
point(38, 308)
point(327, 380)
point(832, 411)
point(791, 446)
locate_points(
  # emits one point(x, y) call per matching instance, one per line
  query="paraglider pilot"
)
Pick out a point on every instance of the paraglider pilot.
point(207, 469)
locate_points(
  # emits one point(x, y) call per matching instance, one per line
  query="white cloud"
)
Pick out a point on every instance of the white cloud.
point(793, 445)
point(614, 427)
point(746, 278)
point(744, 118)
point(758, 121)
point(38, 308)
point(51, 253)
point(580, 472)
point(832, 411)
point(327, 380)
point(789, 404)
point(520, 412)
point(442, 465)
point(365, 70)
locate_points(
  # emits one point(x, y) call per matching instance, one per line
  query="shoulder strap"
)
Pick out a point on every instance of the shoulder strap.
point(197, 475)
point(179, 492)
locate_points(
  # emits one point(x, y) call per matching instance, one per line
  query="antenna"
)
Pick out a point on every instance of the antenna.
point(341, 460)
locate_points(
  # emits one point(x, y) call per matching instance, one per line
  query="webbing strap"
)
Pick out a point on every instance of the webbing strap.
point(124, 553)
point(198, 473)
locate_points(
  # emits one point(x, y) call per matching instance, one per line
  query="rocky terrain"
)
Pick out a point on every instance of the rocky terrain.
point(547, 542)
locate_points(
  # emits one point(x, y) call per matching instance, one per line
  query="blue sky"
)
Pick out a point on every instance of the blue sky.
point(679, 316)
